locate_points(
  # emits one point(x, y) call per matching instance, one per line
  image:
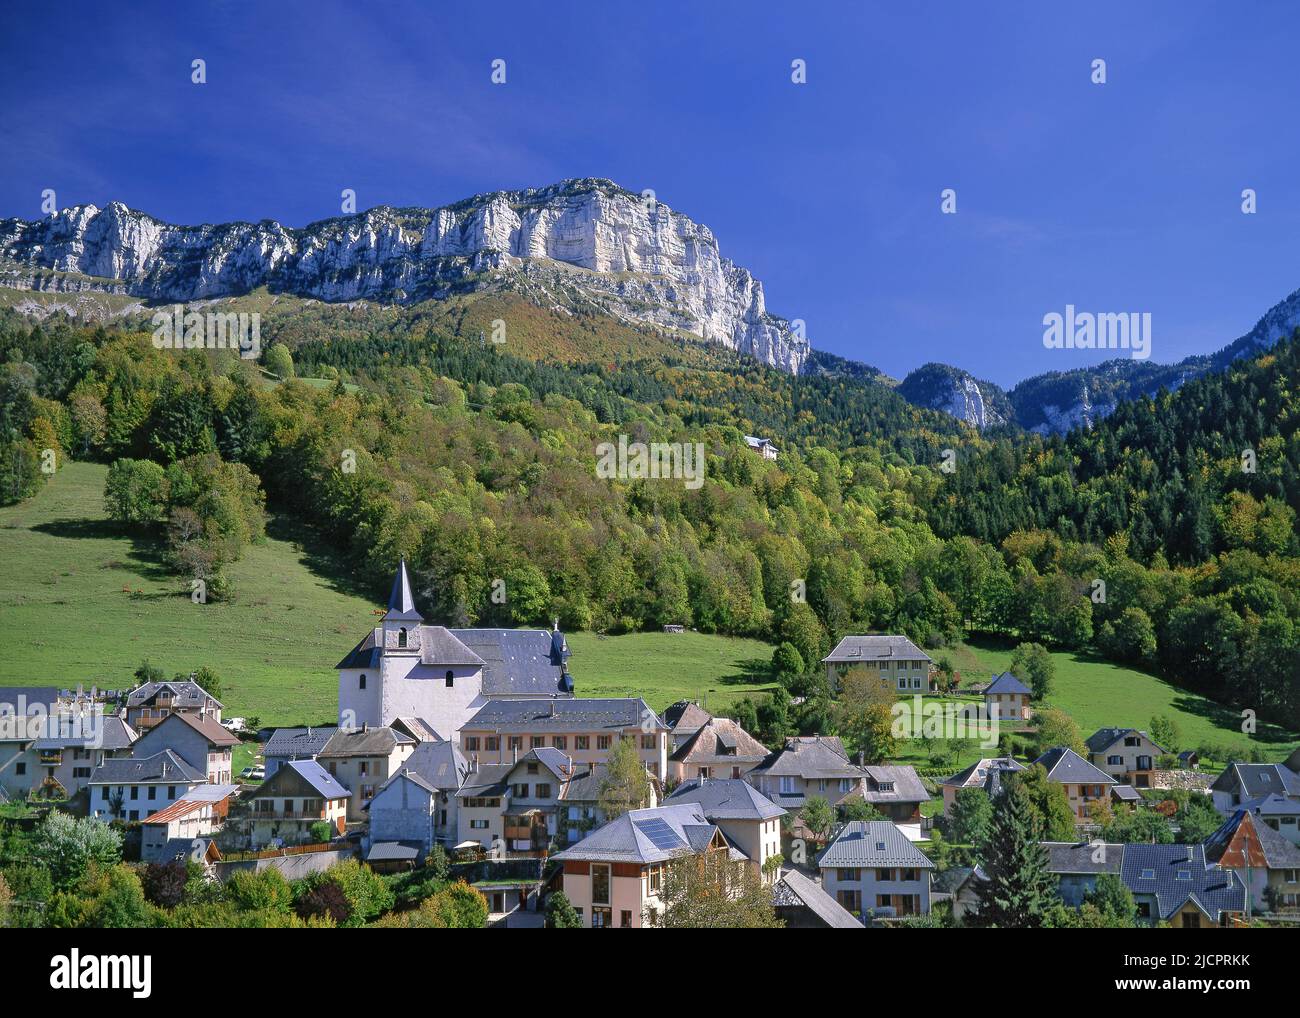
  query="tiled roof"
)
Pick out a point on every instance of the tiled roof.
point(12, 698)
point(810, 756)
point(1256, 780)
point(160, 768)
point(185, 694)
point(1066, 766)
point(347, 742)
point(1273, 805)
point(1083, 857)
point(180, 808)
point(1175, 873)
point(319, 778)
point(439, 647)
point(977, 774)
point(209, 727)
point(872, 843)
point(723, 740)
point(485, 781)
point(95, 731)
point(1125, 793)
point(686, 716)
point(1007, 684)
point(726, 799)
point(886, 784)
point(875, 648)
point(646, 836)
point(1103, 738)
point(393, 851)
point(796, 890)
point(1244, 841)
point(585, 784)
point(416, 728)
point(298, 741)
point(565, 714)
point(439, 765)
point(520, 662)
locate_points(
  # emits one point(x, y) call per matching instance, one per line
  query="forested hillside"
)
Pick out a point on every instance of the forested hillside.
point(479, 467)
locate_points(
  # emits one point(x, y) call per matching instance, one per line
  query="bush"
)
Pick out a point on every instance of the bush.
point(325, 899)
point(560, 913)
point(164, 883)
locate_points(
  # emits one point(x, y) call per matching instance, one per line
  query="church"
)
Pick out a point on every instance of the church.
point(409, 671)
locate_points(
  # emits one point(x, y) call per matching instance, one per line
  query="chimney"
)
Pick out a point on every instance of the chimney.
point(555, 624)
point(552, 706)
point(861, 758)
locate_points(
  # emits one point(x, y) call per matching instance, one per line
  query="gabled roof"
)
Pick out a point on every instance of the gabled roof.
point(1007, 684)
point(520, 662)
point(439, 766)
point(486, 780)
point(726, 799)
point(298, 741)
point(1084, 857)
point(1175, 873)
point(180, 808)
point(566, 714)
point(853, 649)
point(21, 699)
point(686, 716)
point(161, 768)
point(366, 741)
point(417, 728)
point(1274, 805)
point(317, 777)
point(794, 890)
point(556, 762)
point(585, 784)
point(1256, 780)
point(1103, 738)
point(185, 694)
point(720, 739)
point(1067, 767)
point(92, 731)
point(866, 843)
point(208, 727)
point(438, 647)
point(401, 602)
point(810, 756)
point(1243, 841)
point(977, 774)
point(886, 784)
point(648, 836)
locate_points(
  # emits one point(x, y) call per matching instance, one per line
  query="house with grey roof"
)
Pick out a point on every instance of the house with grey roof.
point(287, 744)
point(580, 809)
point(750, 820)
point(803, 904)
point(895, 660)
point(1278, 812)
point(285, 808)
point(1084, 784)
point(720, 748)
point(481, 803)
point(1178, 885)
point(805, 766)
point(136, 787)
point(615, 875)
point(1267, 863)
point(416, 807)
point(873, 870)
point(1242, 782)
point(584, 729)
point(362, 759)
point(29, 700)
point(149, 703)
point(52, 756)
point(1127, 754)
point(896, 791)
point(986, 775)
point(684, 718)
point(1077, 865)
point(405, 668)
point(1007, 697)
point(195, 736)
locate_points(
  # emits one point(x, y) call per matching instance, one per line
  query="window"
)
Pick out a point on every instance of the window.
point(735, 772)
point(361, 682)
point(625, 919)
point(153, 792)
point(787, 785)
point(885, 874)
point(542, 791)
point(521, 791)
point(704, 772)
point(532, 768)
point(401, 637)
point(648, 742)
point(451, 679)
point(600, 883)
point(600, 918)
point(560, 742)
point(655, 879)
point(135, 791)
point(602, 742)
point(20, 768)
point(478, 825)
point(1114, 760)
point(582, 742)
point(1184, 875)
point(537, 742)
point(492, 743)
point(1149, 874)
point(515, 742)
point(471, 743)
point(848, 876)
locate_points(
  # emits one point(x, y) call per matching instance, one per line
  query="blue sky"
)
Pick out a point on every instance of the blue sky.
point(1115, 197)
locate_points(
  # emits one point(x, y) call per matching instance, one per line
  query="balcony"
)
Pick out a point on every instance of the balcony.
point(290, 815)
point(50, 757)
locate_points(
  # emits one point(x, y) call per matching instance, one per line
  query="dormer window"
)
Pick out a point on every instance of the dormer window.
point(451, 679)
point(362, 683)
point(401, 637)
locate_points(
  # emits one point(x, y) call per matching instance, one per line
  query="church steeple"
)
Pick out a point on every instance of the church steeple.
point(401, 602)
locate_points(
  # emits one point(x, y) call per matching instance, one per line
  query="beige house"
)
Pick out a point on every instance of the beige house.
point(899, 663)
point(1126, 754)
point(149, 704)
point(750, 820)
point(1007, 697)
point(289, 803)
point(805, 766)
point(615, 875)
point(583, 729)
point(719, 749)
point(362, 759)
point(684, 718)
point(986, 775)
point(1083, 783)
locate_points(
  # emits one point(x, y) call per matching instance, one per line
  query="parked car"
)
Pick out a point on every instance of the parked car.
point(254, 773)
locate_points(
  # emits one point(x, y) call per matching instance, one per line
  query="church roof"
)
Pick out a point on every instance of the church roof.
point(401, 602)
point(519, 662)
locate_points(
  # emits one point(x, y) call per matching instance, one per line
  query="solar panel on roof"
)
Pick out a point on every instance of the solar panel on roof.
point(660, 834)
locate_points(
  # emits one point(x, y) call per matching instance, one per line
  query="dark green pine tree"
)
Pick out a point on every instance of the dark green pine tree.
point(1019, 890)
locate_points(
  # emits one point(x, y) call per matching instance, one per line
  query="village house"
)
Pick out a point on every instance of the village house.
point(986, 775)
point(287, 744)
point(615, 875)
point(763, 446)
point(536, 784)
point(406, 669)
point(803, 904)
point(361, 760)
point(750, 820)
point(583, 729)
point(684, 718)
point(1126, 754)
point(1278, 812)
point(481, 803)
point(184, 829)
point(580, 801)
point(197, 738)
point(895, 791)
point(285, 808)
point(1175, 884)
point(872, 869)
point(1077, 865)
point(1268, 864)
point(1083, 783)
point(416, 807)
point(719, 749)
point(151, 703)
point(136, 787)
point(53, 756)
point(898, 662)
point(1243, 782)
point(959, 886)
point(1007, 697)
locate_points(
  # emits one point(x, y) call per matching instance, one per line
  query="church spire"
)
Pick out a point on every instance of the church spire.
point(401, 602)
